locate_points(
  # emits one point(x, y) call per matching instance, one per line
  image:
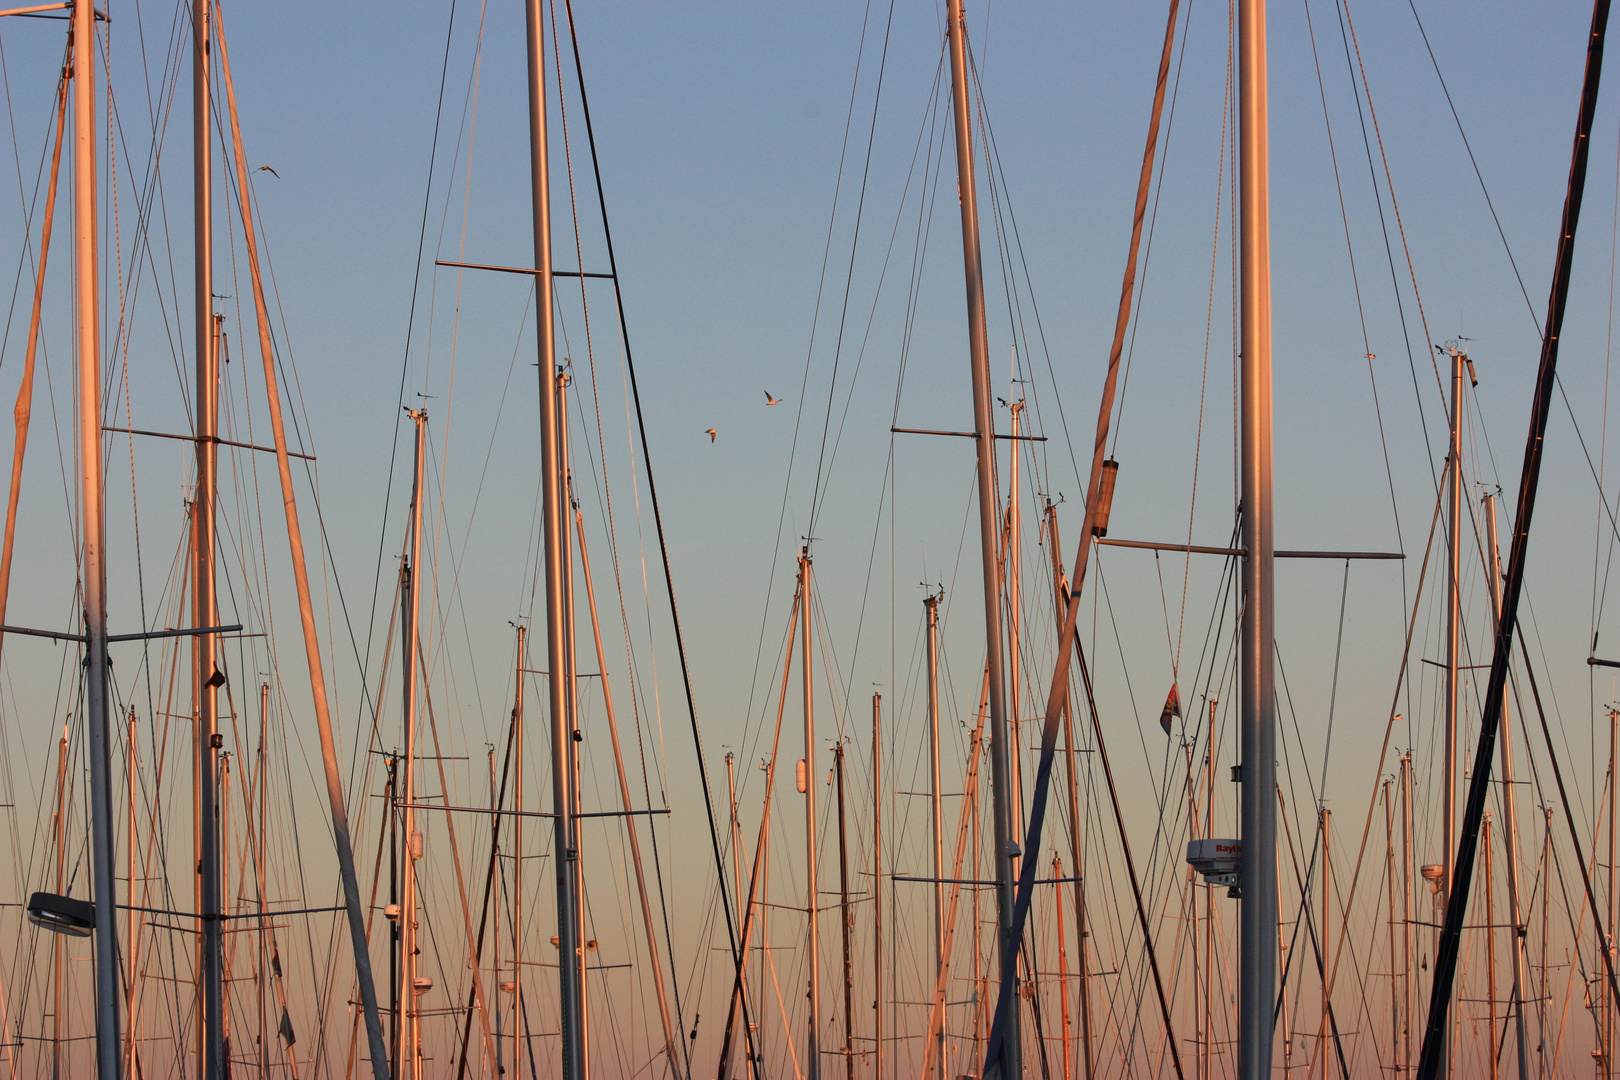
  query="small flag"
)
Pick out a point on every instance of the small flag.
point(1172, 707)
point(285, 1028)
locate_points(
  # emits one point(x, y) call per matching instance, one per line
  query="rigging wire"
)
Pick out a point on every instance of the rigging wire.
point(1355, 281)
point(663, 548)
point(410, 326)
point(804, 382)
point(1383, 226)
point(1153, 222)
point(849, 274)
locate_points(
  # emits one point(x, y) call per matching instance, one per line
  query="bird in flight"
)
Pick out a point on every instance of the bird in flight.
point(711, 433)
point(268, 169)
point(772, 400)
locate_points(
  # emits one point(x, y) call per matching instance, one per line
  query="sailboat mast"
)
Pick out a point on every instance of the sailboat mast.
point(1257, 978)
point(1448, 809)
point(57, 945)
point(736, 829)
point(1012, 574)
point(1406, 914)
point(258, 866)
point(1326, 922)
point(1614, 819)
point(843, 905)
point(630, 828)
point(1063, 972)
point(758, 882)
point(571, 696)
point(392, 795)
point(225, 955)
point(1546, 908)
point(812, 1059)
point(552, 520)
point(1490, 946)
point(410, 604)
point(1002, 794)
point(517, 853)
point(203, 599)
point(1287, 1024)
point(736, 870)
point(131, 780)
point(343, 841)
point(931, 607)
point(1076, 824)
point(1389, 894)
point(877, 887)
point(93, 536)
point(1510, 815)
point(1453, 619)
point(1209, 905)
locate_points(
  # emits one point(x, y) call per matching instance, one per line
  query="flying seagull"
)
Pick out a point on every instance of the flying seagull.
point(772, 400)
point(711, 433)
point(268, 169)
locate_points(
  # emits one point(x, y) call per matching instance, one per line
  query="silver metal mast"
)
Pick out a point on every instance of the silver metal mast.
point(410, 1056)
point(931, 606)
point(203, 599)
point(812, 1070)
point(1448, 809)
point(1002, 793)
point(1258, 917)
point(87, 300)
point(553, 524)
point(1510, 815)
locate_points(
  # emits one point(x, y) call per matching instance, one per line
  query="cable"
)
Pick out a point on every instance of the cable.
point(658, 515)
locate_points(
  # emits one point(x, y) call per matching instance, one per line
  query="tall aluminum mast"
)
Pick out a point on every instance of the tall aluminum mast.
point(1002, 793)
point(553, 523)
point(93, 537)
point(1257, 985)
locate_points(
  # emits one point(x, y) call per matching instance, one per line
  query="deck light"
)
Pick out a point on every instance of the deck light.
point(62, 914)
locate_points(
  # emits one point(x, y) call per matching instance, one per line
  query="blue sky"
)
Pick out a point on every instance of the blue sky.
point(721, 129)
